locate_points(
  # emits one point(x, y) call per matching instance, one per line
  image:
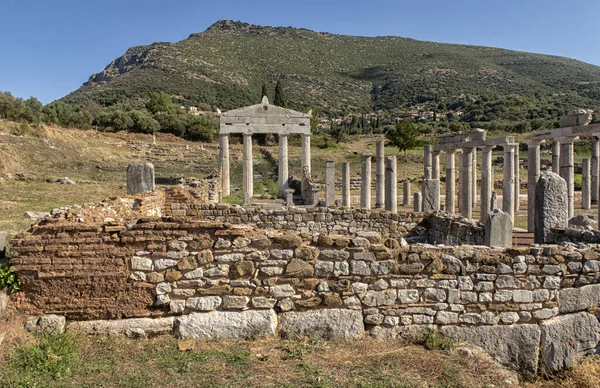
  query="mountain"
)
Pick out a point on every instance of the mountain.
point(225, 66)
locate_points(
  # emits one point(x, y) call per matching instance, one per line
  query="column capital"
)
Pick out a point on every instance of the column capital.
point(488, 148)
point(366, 156)
point(533, 142)
point(510, 146)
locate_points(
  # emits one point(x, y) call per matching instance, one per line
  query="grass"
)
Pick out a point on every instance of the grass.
point(77, 361)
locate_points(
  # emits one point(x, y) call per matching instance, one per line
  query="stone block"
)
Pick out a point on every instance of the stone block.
point(134, 328)
point(431, 195)
point(578, 299)
point(515, 347)
point(551, 204)
point(567, 338)
point(47, 324)
point(227, 325)
point(140, 178)
point(331, 324)
point(498, 229)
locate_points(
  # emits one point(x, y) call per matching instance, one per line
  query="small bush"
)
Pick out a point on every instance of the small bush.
point(237, 199)
point(433, 340)
point(259, 188)
point(9, 279)
point(273, 188)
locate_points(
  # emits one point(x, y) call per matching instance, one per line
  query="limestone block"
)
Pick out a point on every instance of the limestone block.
point(203, 303)
point(136, 327)
point(431, 195)
point(299, 268)
point(498, 229)
point(551, 204)
point(47, 324)
point(331, 324)
point(227, 325)
point(568, 337)
point(515, 346)
point(140, 178)
point(578, 299)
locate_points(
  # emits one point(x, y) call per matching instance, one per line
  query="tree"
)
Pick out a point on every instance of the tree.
point(264, 91)
point(159, 102)
point(279, 97)
point(143, 122)
point(403, 136)
point(339, 133)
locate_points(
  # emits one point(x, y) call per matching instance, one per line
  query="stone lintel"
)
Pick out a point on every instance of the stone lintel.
point(278, 129)
point(496, 141)
point(591, 129)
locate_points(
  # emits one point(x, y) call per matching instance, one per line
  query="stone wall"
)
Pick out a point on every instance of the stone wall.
point(448, 230)
point(311, 220)
point(203, 272)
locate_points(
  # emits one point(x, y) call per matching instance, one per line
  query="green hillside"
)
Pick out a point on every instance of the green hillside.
point(226, 65)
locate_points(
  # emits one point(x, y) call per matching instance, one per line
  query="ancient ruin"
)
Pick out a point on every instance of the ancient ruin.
point(176, 261)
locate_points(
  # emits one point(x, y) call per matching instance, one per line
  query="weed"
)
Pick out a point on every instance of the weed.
point(9, 279)
point(297, 349)
point(237, 355)
point(237, 199)
point(317, 378)
point(51, 358)
point(259, 188)
point(433, 340)
point(273, 188)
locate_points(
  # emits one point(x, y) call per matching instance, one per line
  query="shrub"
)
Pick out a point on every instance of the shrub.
point(9, 279)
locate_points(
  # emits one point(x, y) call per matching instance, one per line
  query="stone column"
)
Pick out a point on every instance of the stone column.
point(508, 193)
point(329, 183)
point(406, 193)
point(365, 187)
point(595, 170)
point(427, 162)
point(248, 172)
point(435, 174)
point(283, 164)
point(517, 180)
point(466, 191)
point(533, 174)
point(556, 157)
point(586, 198)
point(435, 165)
point(460, 180)
point(487, 182)
point(305, 158)
point(380, 175)
point(567, 172)
point(474, 178)
point(346, 184)
point(450, 206)
point(418, 202)
point(224, 159)
point(391, 182)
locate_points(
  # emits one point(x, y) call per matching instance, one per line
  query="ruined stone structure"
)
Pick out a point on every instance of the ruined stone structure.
point(260, 119)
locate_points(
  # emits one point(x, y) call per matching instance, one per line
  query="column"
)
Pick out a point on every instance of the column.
point(418, 203)
point(466, 203)
point(346, 184)
point(508, 193)
point(435, 173)
point(224, 159)
point(556, 157)
point(517, 180)
point(474, 178)
point(365, 187)
point(406, 193)
point(427, 162)
point(450, 206)
point(460, 179)
point(283, 164)
point(380, 175)
point(533, 174)
point(248, 173)
point(305, 160)
point(329, 183)
point(595, 170)
point(586, 198)
point(391, 188)
point(567, 171)
point(487, 182)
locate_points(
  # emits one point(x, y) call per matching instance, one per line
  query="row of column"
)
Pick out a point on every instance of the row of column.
point(563, 163)
point(386, 188)
point(468, 180)
point(247, 166)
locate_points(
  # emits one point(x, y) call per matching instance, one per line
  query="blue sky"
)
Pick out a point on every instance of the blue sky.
point(50, 47)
